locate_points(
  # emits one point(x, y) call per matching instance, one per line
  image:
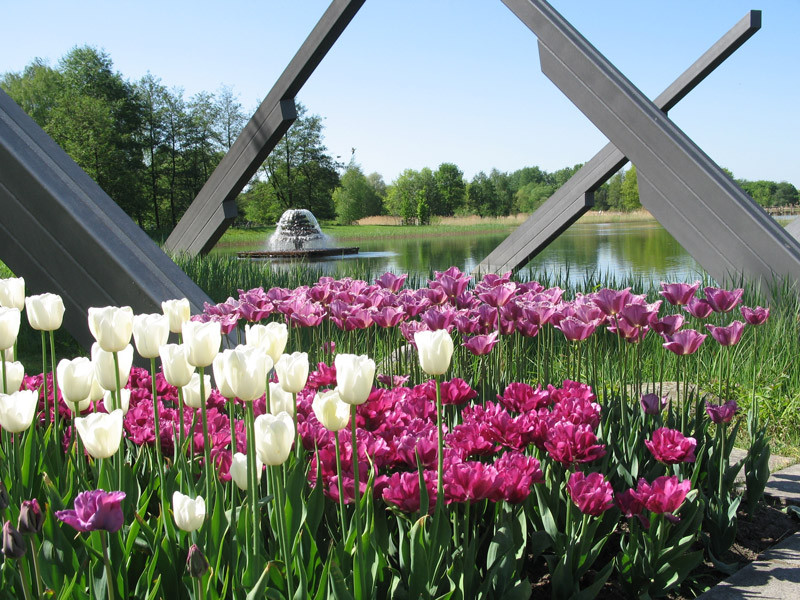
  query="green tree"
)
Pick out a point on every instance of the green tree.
point(423, 208)
point(355, 198)
point(451, 189)
point(481, 195)
point(629, 191)
point(230, 117)
point(614, 196)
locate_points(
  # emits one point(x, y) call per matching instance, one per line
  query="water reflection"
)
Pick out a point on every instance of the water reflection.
point(641, 250)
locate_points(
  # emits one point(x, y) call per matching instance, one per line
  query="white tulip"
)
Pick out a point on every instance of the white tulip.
point(274, 438)
point(111, 326)
point(177, 370)
point(17, 410)
point(219, 367)
point(239, 470)
point(12, 292)
point(189, 512)
point(104, 366)
point(9, 327)
point(150, 332)
point(280, 400)
point(78, 407)
point(272, 337)
point(354, 377)
point(435, 349)
point(100, 433)
point(110, 404)
point(178, 312)
point(45, 311)
point(15, 373)
point(246, 371)
point(75, 378)
point(191, 392)
point(331, 411)
point(203, 341)
point(292, 370)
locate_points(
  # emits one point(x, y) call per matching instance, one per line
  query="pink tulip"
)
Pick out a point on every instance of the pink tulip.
point(479, 345)
point(723, 300)
point(568, 443)
point(522, 398)
point(664, 495)
point(729, 335)
point(699, 308)
point(685, 341)
point(668, 324)
point(575, 330)
point(391, 282)
point(671, 447)
point(755, 316)
point(611, 301)
point(591, 493)
point(722, 413)
point(679, 294)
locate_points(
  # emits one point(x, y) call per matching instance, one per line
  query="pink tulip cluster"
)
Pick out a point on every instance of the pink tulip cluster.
point(663, 496)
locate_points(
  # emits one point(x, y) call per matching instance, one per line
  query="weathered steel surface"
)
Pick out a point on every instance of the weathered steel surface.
point(574, 198)
point(794, 228)
point(62, 233)
point(718, 223)
point(203, 223)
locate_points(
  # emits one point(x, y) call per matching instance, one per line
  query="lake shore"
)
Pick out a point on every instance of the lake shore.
point(390, 228)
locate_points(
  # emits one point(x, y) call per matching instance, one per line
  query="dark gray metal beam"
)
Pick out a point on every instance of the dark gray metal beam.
point(718, 223)
point(574, 198)
point(203, 224)
point(62, 233)
point(794, 228)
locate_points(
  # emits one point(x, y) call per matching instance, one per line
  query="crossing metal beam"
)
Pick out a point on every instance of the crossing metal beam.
point(214, 208)
point(575, 197)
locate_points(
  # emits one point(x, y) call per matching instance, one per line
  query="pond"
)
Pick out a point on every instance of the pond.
point(642, 250)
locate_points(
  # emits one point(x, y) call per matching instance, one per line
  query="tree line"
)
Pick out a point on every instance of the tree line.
point(151, 149)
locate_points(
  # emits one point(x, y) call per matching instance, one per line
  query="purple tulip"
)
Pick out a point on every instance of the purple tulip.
point(31, 517)
point(591, 493)
point(755, 316)
point(576, 330)
point(685, 341)
point(664, 495)
point(479, 345)
point(95, 510)
point(670, 446)
point(679, 294)
point(391, 282)
point(722, 413)
point(498, 295)
point(723, 300)
point(389, 316)
point(652, 404)
point(699, 308)
point(668, 324)
point(13, 544)
point(611, 301)
point(196, 563)
point(729, 335)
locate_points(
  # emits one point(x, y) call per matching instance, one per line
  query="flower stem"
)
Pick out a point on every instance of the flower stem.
point(44, 382)
point(206, 445)
point(440, 447)
point(341, 487)
point(118, 404)
point(35, 559)
point(280, 507)
point(356, 500)
point(5, 379)
point(107, 564)
point(55, 382)
point(252, 476)
point(157, 424)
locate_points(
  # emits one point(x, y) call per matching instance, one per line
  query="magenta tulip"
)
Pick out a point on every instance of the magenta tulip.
point(722, 413)
point(729, 335)
point(755, 316)
point(94, 511)
point(671, 447)
point(685, 341)
point(723, 301)
point(698, 308)
point(679, 294)
point(591, 493)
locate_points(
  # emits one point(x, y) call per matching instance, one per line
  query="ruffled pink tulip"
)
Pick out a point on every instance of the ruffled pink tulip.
point(671, 447)
point(664, 495)
point(591, 493)
point(755, 316)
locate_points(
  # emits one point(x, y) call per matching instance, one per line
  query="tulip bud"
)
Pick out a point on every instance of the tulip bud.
point(45, 311)
point(219, 367)
point(203, 341)
point(13, 544)
point(178, 312)
point(191, 392)
point(9, 327)
point(111, 404)
point(189, 513)
point(280, 400)
point(239, 470)
point(31, 517)
point(100, 433)
point(354, 377)
point(292, 370)
point(104, 366)
point(435, 349)
point(177, 370)
point(196, 563)
point(246, 371)
point(4, 501)
point(274, 438)
point(111, 326)
point(75, 378)
point(17, 410)
point(150, 332)
point(15, 373)
point(330, 410)
point(12, 293)
point(272, 337)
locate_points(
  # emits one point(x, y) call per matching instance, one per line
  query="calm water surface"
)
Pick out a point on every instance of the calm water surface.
point(641, 250)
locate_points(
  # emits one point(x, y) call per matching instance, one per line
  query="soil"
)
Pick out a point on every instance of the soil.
point(765, 528)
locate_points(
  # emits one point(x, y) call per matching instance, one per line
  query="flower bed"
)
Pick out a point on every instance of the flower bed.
point(530, 444)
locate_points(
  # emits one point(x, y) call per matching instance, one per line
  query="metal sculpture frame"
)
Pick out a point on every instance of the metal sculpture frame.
point(690, 195)
point(214, 208)
point(64, 234)
point(576, 197)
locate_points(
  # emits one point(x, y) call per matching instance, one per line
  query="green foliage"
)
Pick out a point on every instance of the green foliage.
point(355, 198)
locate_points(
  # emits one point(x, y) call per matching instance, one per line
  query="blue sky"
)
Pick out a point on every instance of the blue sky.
point(415, 83)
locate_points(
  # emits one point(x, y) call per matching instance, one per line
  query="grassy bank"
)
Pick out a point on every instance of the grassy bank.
point(390, 228)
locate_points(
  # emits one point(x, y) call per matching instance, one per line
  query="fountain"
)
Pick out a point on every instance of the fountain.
point(298, 235)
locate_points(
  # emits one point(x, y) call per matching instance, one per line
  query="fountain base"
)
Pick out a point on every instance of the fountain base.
point(297, 254)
